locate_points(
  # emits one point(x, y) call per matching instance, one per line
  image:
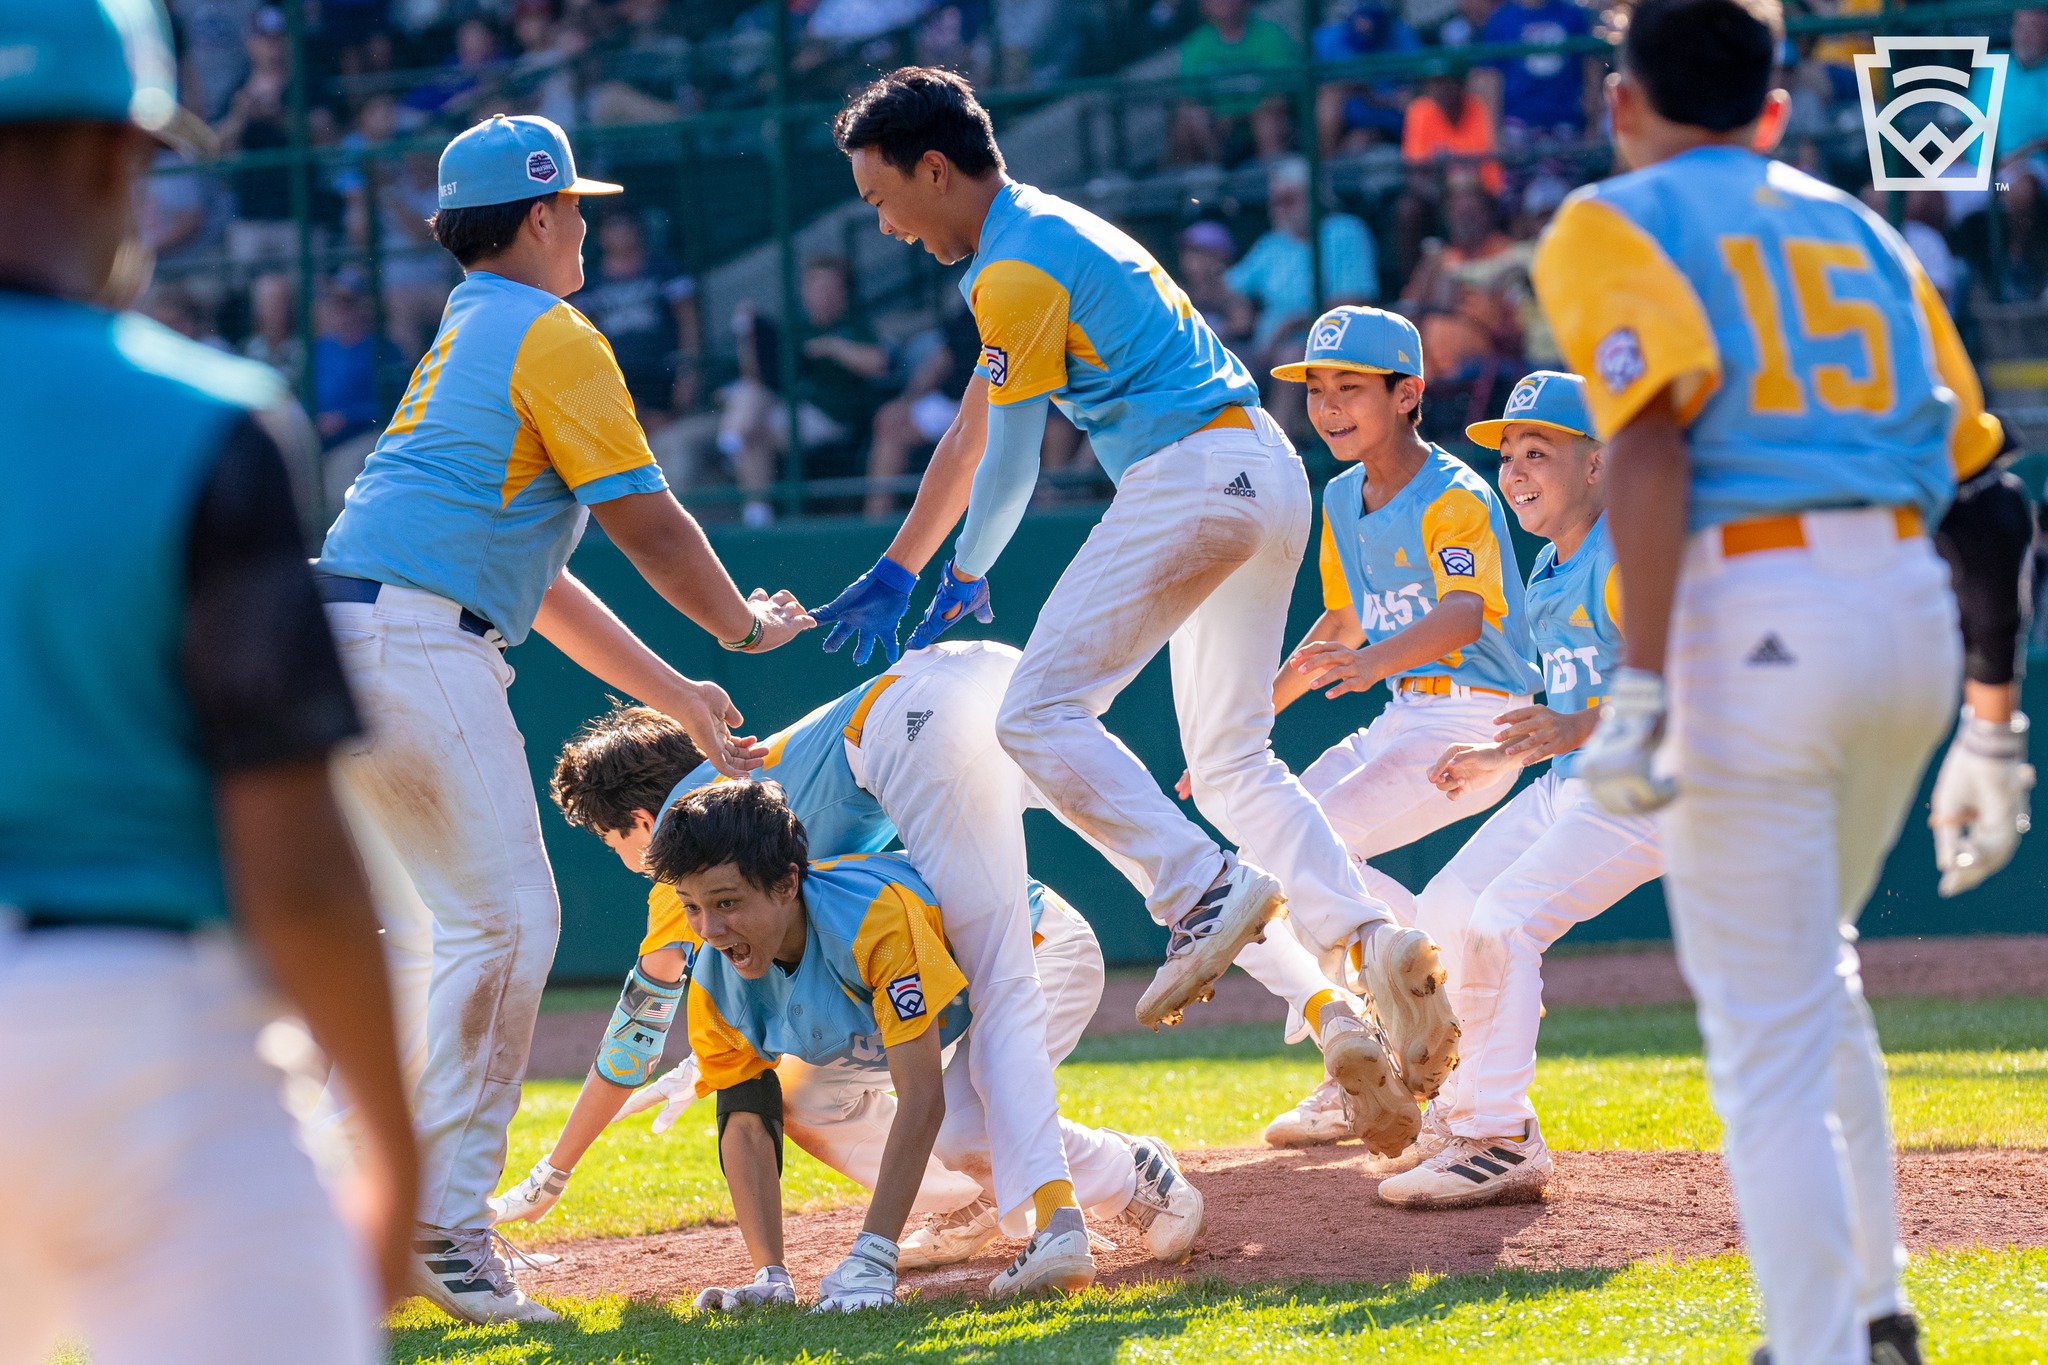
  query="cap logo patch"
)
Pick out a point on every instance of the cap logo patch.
point(541, 167)
point(998, 361)
point(1523, 399)
point(1618, 359)
point(1458, 562)
point(1329, 333)
point(906, 993)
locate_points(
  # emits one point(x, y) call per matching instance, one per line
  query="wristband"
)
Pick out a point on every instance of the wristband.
point(740, 646)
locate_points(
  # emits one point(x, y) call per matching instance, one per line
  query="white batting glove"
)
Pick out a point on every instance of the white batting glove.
point(865, 1279)
point(772, 1285)
point(1981, 805)
point(530, 1200)
point(674, 1091)
point(1616, 761)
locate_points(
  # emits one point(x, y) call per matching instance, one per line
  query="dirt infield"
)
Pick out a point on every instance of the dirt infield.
point(1973, 968)
point(1603, 1209)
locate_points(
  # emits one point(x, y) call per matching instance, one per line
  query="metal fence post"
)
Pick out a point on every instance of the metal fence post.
point(1312, 150)
point(373, 267)
point(302, 201)
point(785, 237)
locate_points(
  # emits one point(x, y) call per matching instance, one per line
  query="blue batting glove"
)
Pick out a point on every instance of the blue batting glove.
point(871, 609)
point(950, 606)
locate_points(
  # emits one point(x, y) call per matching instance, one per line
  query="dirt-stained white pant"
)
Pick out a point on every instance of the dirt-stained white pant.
point(1808, 688)
point(1550, 858)
point(1374, 786)
point(165, 1214)
point(928, 752)
point(1197, 553)
point(441, 786)
point(841, 1114)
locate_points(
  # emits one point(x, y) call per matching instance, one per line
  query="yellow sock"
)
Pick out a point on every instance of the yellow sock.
point(1052, 1196)
point(1313, 1011)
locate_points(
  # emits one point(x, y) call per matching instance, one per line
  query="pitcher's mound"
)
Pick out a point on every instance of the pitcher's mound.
point(1311, 1215)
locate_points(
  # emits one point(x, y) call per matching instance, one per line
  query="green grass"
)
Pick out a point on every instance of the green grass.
point(1983, 1308)
point(1961, 1076)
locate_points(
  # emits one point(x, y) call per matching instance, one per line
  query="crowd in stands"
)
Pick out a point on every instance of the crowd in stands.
point(1483, 155)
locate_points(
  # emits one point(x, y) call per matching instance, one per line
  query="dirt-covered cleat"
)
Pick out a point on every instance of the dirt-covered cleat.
point(1321, 1117)
point(1054, 1258)
point(1404, 977)
point(1206, 940)
point(465, 1272)
point(1473, 1171)
point(1165, 1209)
point(1434, 1137)
point(948, 1238)
point(1382, 1110)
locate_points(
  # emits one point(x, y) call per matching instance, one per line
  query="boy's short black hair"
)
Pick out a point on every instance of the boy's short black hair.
point(1705, 63)
point(919, 109)
point(747, 824)
point(477, 234)
point(1414, 413)
point(628, 759)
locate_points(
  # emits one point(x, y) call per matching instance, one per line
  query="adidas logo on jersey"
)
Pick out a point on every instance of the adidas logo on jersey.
point(1400, 556)
point(913, 723)
point(1240, 487)
point(1579, 617)
point(1770, 650)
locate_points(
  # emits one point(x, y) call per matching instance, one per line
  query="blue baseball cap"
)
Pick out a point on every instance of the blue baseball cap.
point(507, 158)
point(107, 61)
point(1546, 398)
point(1367, 340)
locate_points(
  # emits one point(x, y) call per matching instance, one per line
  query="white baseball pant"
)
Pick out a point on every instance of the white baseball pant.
point(169, 1217)
point(928, 752)
point(443, 781)
point(841, 1114)
point(1808, 688)
point(1550, 858)
point(1374, 786)
point(1181, 560)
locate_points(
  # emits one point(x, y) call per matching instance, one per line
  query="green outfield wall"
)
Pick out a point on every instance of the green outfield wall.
point(603, 905)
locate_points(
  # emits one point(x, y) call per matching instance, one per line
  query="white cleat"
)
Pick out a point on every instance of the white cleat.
point(948, 1238)
point(1404, 977)
point(1468, 1172)
point(1382, 1110)
point(1207, 939)
point(1323, 1116)
point(1050, 1260)
point(465, 1273)
point(1166, 1209)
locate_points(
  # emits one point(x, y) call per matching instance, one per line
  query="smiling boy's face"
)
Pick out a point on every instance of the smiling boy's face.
point(1550, 478)
point(754, 926)
point(1355, 412)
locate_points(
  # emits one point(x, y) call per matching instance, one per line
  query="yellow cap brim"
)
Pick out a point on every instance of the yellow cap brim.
point(1491, 434)
point(583, 186)
point(1298, 372)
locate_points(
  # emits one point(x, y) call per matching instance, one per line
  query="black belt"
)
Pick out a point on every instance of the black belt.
point(39, 921)
point(336, 588)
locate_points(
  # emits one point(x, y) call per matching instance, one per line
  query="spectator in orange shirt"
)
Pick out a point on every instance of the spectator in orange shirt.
point(1448, 121)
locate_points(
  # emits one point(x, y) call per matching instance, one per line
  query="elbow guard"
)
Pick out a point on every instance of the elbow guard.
point(639, 1027)
point(1987, 538)
point(761, 1097)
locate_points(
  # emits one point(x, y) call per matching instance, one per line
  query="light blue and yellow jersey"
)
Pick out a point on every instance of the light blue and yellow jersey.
point(1069, 306)
point(1444, 532)
point(1575, 621)
point(1807, 354)
point(875, 973)
point(514, 424)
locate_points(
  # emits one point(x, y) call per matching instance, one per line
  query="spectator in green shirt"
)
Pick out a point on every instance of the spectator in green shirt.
point(1214, 127)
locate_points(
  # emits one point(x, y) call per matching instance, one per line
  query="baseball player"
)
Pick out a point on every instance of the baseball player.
point(914, 751)
point(1787, 410)
point(1197, 553)
point(516, 429)
point(1551, 857)
point(1420, 590)
point(172, 864)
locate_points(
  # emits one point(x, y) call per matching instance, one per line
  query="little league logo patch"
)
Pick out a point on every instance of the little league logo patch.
point(1523, 399)
point(1935, 138)
point(1458, 563)
point(541, 168)
point(1618, 359)
point(998, 362)
point(906, 993)
point(1329, 333)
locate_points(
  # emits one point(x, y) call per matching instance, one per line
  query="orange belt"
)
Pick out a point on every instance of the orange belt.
point(1236, 415)
point(1441, 687)
point(1788, 532)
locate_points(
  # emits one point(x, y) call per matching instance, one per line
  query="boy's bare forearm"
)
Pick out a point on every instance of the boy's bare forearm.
point(943, 492)
point(1649, 469)
point(915, 1068)
point(748, 1154)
